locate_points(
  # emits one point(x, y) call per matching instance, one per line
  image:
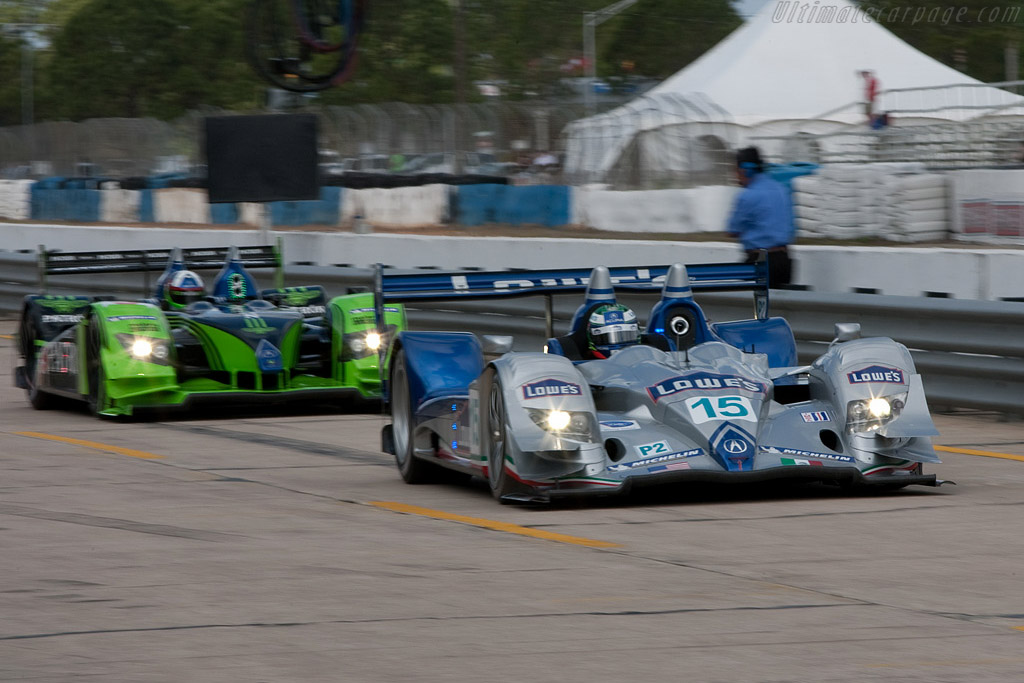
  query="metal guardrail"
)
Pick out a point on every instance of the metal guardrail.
point(970, 353)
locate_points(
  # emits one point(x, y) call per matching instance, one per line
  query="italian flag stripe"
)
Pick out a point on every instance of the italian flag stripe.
point(799, 461)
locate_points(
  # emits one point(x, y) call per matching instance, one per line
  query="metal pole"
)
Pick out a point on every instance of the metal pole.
point(589, 67)
point(592, 20)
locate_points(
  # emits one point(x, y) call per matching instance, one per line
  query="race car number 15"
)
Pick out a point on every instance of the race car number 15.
point(708, 408)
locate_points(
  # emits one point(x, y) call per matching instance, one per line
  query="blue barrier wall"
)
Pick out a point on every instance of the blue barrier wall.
point(147, 214)
point(323, 211)
point(547, 205)
point(223, 214)
point(49, 203)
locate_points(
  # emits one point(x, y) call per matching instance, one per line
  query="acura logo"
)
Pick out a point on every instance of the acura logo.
point(735, 446)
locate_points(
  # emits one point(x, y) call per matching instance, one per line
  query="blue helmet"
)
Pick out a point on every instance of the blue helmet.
point(611, 327)
point(182, 289)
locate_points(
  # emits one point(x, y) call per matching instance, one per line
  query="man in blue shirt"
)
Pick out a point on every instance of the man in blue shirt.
point(762, 217)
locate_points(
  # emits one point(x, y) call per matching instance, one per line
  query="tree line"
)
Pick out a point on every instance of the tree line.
point(162, 58)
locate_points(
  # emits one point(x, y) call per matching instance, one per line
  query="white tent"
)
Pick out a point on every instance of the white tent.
point(794, 66)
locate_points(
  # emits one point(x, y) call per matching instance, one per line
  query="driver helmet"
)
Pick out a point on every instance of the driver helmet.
point(610, 328)
point(184, 288)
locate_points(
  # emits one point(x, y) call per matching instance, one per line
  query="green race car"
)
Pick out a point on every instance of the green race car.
point(183, 347)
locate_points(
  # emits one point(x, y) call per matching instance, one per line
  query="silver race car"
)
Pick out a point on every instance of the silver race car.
point(607, 408)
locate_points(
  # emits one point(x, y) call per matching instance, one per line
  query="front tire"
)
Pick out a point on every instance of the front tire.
point(94, 368)
point(495, 440)
point(413, 469)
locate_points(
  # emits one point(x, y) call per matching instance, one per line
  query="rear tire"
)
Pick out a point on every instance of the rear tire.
point(413, 469)
point(39, 399)
point(495, 439)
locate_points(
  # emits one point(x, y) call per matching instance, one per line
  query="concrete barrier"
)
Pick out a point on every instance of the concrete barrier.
point(65, 204)
point(398, 206)
point(699, 209)
point(990, 274)
point(323, 211)
point(180, 205)
point(16, 199)
point(120, 206)
point(547, 205)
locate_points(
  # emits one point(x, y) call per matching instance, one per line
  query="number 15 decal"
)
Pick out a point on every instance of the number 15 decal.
point(708, 408)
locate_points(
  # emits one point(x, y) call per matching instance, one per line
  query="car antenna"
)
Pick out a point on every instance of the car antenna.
point(680, 326)
point(677, 289)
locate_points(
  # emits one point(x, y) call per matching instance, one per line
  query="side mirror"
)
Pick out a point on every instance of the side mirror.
point(846, 332)
point(497, 344)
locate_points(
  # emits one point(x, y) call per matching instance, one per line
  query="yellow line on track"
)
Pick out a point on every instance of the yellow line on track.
point(987, 454)
point(1018, 628)
point(6, 336)
point(93, 444)
point(491, 524)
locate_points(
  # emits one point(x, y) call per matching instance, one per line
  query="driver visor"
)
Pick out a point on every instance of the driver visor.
point(615, 334)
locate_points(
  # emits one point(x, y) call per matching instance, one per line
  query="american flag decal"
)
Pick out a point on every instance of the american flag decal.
point(819, 416)
point(671, 466)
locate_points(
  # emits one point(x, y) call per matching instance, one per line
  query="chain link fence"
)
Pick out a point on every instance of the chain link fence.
point(651, 143)
point(501, 137)
point(967, 144)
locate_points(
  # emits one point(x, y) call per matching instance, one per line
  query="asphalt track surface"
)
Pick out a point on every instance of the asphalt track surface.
point(284, 547)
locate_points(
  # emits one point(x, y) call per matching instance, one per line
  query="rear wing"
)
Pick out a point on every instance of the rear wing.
point(152, 260)
point(704, 277)
point(708, 277)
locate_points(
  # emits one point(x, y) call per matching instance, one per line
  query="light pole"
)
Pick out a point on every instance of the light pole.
point(591, 20)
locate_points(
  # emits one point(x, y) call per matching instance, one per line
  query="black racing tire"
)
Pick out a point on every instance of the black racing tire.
point(40, 400)
point(94, 368)
point(413, 470)
point(494, 438)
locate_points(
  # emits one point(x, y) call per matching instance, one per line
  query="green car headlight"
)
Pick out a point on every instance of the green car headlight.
point(569, 424)
point(366, 343)
point(870, 414)
point(146, 349)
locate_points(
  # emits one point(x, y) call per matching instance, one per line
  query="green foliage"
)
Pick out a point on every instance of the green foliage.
point(10, 81)
point(666, 35)
point(159, 58)
point(164, 57)
point(405, 55)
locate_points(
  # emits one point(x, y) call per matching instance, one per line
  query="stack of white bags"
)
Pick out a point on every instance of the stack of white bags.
point(898, 202)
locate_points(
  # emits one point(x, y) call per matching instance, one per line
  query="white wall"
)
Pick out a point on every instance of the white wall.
point(16, 199)
point(397, 206)
point(180, 205)
point(908, 271)
point(699, 209)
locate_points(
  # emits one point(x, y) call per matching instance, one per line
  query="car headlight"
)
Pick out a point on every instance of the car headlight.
point(141, 348)
point(146, 349)
point(570, 424)
point(869, 414)
point(366, 342)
